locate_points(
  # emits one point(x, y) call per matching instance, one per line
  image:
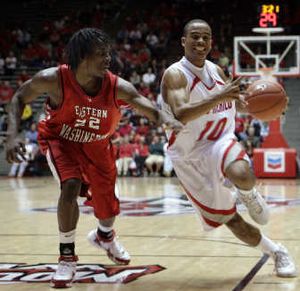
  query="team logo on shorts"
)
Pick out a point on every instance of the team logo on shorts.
point(89, 273)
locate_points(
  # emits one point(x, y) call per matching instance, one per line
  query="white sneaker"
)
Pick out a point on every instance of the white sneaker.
point(65, 272)
point(115, 251)
point(257, 206)
point(284, 265)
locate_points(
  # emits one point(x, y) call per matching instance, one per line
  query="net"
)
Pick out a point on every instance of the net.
point(266, 73)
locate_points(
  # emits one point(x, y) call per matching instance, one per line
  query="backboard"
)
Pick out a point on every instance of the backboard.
point(281, 53)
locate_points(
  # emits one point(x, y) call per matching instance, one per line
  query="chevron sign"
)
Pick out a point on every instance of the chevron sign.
point(274, 162)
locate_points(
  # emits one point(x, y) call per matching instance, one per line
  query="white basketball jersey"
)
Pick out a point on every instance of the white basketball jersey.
point(216, 124)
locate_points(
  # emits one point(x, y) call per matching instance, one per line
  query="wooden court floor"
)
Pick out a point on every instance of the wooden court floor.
point(159, 229)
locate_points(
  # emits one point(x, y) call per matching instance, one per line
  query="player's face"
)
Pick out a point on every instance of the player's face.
point(197, 43)
point(98, 62)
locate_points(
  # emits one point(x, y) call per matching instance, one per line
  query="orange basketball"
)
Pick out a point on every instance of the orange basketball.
point(267, 100)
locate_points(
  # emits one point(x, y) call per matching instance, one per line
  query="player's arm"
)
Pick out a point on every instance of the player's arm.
point(128, 93)
point(44, 81)
point(174, 91)
point(239, 104)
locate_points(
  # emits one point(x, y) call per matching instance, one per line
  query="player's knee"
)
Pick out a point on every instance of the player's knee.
point(241, 175)
point(70, 189)
point(235, 221)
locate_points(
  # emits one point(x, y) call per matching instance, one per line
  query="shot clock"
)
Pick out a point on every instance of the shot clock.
point(268, 15)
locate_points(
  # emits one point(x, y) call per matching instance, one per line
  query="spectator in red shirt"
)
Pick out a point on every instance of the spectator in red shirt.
point(240, 128)
point(141, 154)
point(125, 156)
point(6, 92)
point(143, 89)
point(23, 77)
point(29, 55)
point(143, 128)
point(125, 129)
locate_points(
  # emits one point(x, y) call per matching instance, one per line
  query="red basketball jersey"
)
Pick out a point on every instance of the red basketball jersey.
point(82, 118)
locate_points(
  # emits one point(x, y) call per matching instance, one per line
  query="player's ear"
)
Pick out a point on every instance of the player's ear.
point(183, 41)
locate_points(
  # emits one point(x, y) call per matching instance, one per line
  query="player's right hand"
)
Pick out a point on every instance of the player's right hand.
point(15, 151)
point(231, 91)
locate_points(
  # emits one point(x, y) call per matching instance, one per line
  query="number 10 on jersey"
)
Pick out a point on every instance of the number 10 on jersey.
point(213, 129)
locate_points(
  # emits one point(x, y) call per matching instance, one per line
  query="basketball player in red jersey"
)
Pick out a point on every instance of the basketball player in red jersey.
point(205, 153)
point(82, 114)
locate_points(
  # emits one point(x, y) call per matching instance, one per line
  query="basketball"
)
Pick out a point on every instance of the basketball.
point(267, 100)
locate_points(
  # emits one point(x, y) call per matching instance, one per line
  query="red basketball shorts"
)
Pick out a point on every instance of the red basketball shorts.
point(92, 163)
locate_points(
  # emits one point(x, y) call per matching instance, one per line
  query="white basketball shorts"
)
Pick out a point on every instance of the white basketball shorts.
point(202, 177)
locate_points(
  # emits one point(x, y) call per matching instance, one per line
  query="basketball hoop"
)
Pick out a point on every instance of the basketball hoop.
point(267, 30)
point(266, 73)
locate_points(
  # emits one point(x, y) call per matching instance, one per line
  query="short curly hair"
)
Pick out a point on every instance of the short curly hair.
point(191, 22)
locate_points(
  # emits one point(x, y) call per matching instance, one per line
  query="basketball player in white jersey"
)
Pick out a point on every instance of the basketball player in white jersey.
point(206, 154)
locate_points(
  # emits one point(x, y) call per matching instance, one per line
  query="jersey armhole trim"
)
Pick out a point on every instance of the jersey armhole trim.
point(60, 90)
point(61, 86)
point(115, 93)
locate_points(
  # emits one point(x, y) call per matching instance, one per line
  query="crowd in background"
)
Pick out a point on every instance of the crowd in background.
point(142, 49)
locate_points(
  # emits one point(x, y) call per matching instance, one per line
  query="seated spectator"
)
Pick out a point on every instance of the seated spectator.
point(29, 55)
point(215, 53)
point(125, 128)
point(23, 77)
point(168, 166)
point(240, 127)
point(6, 92)
point(135, 34)
point(152, 41)
point(156, 157)
point(162, 46)
point(148, 77)
point(251, 141)
point(32, 134)
point(54, 37)
point(18, 169)
point(135, 78)
point(142, 128)
point(144, 56)
point(258, 125)
point(140, 155)
point(144, 89)
point(10, 63)
point(125, 156)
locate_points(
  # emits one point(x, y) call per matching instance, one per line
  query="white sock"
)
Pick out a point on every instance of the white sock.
point(67, 237)
point(267, 246)
point(105, 228)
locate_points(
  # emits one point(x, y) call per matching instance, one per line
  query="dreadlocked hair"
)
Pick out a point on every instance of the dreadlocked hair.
point(83, 43)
